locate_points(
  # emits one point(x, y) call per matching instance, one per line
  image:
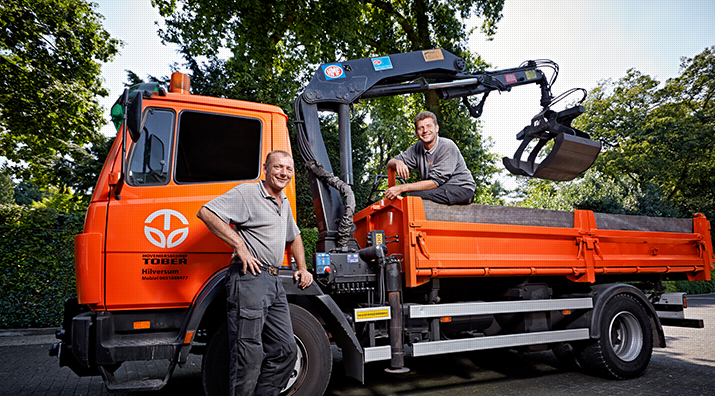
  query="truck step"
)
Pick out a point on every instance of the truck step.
point(148, 384)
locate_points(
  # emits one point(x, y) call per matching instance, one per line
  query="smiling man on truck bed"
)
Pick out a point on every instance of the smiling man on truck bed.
point(445, 176)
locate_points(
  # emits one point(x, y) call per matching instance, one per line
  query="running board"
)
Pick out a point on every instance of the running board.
point(495, 342)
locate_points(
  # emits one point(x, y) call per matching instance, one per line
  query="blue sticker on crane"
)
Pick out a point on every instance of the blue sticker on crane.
point(353, 258)
point(382, 63)
point(333, 72)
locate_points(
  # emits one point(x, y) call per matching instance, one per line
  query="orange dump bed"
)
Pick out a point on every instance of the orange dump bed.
point(494, 241)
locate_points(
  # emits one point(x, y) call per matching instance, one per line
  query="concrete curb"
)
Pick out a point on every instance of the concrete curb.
point(28, 332)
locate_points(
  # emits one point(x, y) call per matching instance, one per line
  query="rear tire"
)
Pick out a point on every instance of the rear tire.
point(311, 373)
point(626, 343)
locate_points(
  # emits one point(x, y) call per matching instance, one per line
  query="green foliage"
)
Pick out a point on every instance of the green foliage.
point(27, 192)
point(82, 172)
point(695, 287)
point(310, 239)
point(599, 193)
point(51, 53)
point(36, 263)
point(7, 191)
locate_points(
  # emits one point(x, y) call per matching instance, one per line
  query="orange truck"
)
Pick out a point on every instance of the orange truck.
point(403, 272)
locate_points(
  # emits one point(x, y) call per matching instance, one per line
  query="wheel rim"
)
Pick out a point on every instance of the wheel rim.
point(626, 336)
point(300, 363)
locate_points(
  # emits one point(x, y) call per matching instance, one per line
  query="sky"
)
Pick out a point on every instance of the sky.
point(590, 40)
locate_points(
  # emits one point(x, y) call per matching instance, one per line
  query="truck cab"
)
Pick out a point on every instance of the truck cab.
point(144, 257)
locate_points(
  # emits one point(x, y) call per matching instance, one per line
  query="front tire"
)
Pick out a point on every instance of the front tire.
point(311, 372)
point(625, 345)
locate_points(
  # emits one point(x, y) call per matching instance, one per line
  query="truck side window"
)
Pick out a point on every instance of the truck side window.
point(214, 147)
point(149, 159)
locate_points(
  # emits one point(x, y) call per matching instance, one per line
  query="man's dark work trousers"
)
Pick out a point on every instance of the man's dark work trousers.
point(260, 335)
point(447, 194)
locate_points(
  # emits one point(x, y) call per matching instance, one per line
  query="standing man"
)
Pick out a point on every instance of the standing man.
point(445, 176)
point(261, 343)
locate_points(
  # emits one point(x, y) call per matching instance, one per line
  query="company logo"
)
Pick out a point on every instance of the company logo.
point(333, 71)
point(382, 63)
point(158, 237)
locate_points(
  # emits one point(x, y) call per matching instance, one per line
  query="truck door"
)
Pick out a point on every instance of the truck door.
point(159, 254)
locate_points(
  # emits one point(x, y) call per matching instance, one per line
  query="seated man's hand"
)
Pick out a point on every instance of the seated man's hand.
point(394, 191)
point(402, 170)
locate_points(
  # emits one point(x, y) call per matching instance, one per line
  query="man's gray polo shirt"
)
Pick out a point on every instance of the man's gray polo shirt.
point(264, 227)
point(443, 163)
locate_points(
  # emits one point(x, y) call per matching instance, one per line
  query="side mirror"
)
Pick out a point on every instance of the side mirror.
point(134, 117)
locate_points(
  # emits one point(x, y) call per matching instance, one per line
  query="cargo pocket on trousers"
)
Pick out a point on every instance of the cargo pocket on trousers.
point(250, 327)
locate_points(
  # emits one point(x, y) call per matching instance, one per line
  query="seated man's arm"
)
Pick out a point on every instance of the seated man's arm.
point(403, 170)
point(400, 168)
point(395, 191)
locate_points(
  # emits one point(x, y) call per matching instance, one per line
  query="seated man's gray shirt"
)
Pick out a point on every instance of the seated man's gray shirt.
point(443, 163)
point(255, 215)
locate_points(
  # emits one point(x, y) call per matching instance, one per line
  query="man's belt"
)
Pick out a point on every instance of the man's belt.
point(270, 269)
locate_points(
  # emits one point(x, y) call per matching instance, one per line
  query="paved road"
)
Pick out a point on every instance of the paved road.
point(685, 367)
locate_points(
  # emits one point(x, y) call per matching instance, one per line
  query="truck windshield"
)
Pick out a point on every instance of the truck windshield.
point(149, 157)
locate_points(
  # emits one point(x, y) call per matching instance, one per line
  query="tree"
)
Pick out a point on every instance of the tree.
point(50, 57)
point(660, 135)
point(276, 44)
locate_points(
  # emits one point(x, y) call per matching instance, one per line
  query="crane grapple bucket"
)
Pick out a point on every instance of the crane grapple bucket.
point(573, 151)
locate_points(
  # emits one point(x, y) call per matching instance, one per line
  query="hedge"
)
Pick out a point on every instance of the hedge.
point(37, 264)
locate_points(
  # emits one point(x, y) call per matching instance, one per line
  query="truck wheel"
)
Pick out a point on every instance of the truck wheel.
point(315, 359)
point(626, 343)
point(313, 366)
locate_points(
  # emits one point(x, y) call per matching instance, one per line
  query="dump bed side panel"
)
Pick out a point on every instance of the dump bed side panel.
point(492, 241)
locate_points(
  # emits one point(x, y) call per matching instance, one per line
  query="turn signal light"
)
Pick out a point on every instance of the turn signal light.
point(187, 338)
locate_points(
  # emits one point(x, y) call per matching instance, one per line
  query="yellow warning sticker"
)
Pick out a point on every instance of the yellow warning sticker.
point(368, 314)
point(378, 239)
point(433, 55)
point(530, 74)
